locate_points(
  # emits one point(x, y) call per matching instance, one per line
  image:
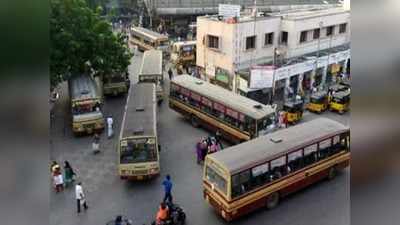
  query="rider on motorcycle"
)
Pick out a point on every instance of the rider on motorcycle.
point(162, 213)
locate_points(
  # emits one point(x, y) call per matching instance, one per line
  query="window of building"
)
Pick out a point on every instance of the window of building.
point(342, 28)
point(303, 36)
point(316, 33)
point(269, 39)
point(213, 41)
point(250, 42)
point(284, 37)
point(330, 30)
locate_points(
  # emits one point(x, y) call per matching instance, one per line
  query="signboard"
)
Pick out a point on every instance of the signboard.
point(228, 11)
point(261, 77)
point(210, 70)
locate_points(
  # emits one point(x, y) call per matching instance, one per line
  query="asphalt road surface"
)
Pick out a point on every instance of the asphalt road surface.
point(326, 203)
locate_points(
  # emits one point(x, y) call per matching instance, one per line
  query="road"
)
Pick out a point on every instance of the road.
point(325, 203)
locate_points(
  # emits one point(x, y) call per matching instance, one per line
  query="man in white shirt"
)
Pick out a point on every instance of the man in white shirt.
point(80, 197)
point(110, 131)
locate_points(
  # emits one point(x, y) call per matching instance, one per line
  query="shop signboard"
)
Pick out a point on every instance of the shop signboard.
point(261, 76)
point(210, 70)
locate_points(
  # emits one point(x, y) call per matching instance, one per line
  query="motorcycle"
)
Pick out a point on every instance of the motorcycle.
point(176, 216)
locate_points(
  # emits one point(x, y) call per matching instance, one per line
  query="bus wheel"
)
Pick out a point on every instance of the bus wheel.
point(194, 121)
point(332, 173)
point(272, 200)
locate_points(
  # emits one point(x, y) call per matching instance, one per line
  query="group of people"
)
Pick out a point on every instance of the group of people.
point(61, 180)
point(208, 145)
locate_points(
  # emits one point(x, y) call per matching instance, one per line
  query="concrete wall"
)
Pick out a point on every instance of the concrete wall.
point(295, 27)
point(221, 58)
point(259, 29)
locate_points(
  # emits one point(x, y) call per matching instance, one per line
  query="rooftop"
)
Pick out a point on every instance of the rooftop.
point(301, 14)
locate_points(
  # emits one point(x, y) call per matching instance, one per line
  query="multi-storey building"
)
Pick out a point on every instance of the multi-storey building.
point(228, 48)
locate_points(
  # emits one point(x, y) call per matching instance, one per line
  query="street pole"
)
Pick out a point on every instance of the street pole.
point(316, 60)
point(273, 76)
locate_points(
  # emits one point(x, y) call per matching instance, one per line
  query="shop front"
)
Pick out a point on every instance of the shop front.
point(279, 95)
point(306, 82)
point(318, 77)
point(222, 78)
point(294, 85)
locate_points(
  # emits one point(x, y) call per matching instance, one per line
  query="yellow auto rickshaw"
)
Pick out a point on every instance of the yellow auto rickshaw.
point(294, 110)
point(340, 101)
point(318, 102)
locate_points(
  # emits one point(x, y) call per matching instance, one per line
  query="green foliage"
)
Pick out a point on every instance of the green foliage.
point(81, 42)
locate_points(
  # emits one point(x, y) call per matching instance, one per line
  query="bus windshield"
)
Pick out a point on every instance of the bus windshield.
point(263, 125)
point(138, 150)
point(81, 108)
point(215, 179)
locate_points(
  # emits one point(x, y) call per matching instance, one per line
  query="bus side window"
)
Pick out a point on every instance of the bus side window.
point(344, 141)
point(325, 148)
point(241, 183)
point(260, 175)
point(278, 167)
point(295, 160)
point(310, 154)
point(336, 144)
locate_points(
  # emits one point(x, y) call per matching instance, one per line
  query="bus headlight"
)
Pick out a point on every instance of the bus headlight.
point(154, 170)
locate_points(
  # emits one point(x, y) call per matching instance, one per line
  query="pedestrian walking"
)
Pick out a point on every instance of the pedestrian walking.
point(110, 131)
point(54, 168)
point(285, 119)
point(170, 73)
point(80, 197)
point(199, 152)
point(58, 182)
point(68, 174)
point(167, 183)
point(204, 148)
point(218, 137)
point(96, 143)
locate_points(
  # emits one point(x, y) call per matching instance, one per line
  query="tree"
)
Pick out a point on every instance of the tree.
point(82, 42)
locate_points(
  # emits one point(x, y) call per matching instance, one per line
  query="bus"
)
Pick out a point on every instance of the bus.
point(237, 118)
point(260, 172)
point(151, 71)
point(116, 84)
point(183, 54)
point(138, 149)
point(86, 102)
point(147, 39)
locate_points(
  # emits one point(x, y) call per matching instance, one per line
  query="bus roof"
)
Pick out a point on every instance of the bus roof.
point(151, 63)
point(264, 148)
point(148, 33)
point(140, 112)
point(83, 87)
point(225, 97)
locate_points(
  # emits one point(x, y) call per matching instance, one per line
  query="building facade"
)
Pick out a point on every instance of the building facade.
point(227, 49)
